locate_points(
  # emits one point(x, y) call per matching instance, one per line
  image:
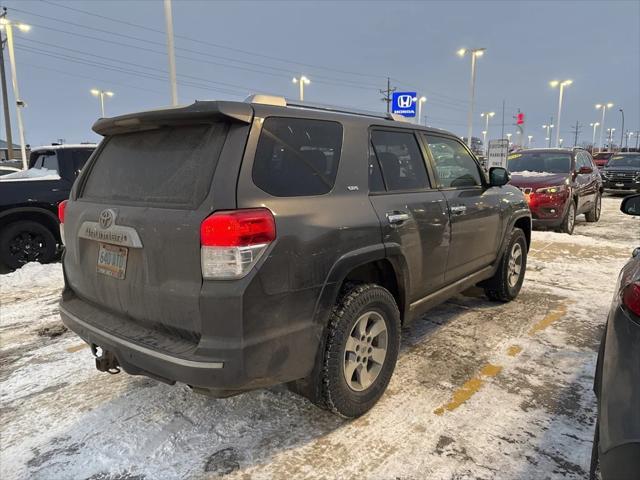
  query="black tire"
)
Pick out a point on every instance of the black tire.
point(26, 241)
point(569, 221)
point(505, 285)
point(354, 304)
point(593, 215)
point(594, 467)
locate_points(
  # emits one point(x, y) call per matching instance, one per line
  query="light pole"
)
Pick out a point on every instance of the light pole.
point(610, 138)
point(560, 140)
point(101, 93)
point(561, 84)
point(302, 81)
point(530, 137)
point(549, 127)
point(168, 18)
point(509, 138)
point(604, 107)
point(593, 138)
point(474, 52)
point(8, 25)
point(622, 131)
point(486, 116)
point(637, 139)
point(421, 100)
point(626, 143)
point(484, 141)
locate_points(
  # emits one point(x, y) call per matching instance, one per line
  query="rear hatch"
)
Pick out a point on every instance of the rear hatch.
point(133, 233)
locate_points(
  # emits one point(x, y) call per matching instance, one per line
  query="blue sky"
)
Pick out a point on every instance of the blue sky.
point(347, 49)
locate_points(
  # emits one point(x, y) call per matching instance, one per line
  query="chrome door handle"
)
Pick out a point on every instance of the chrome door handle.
point(458, 209)
point(395, 218)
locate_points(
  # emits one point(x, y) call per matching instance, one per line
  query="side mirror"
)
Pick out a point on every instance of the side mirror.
point(498, 176)
point(585, 170)
point(631, 205)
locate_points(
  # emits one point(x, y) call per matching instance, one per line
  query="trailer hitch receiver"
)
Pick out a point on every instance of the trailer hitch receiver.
point(105, 360)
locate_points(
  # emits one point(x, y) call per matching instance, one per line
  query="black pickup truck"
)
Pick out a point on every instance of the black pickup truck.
point(29, 228)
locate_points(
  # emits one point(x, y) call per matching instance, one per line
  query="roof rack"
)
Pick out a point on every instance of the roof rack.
point(284, 102)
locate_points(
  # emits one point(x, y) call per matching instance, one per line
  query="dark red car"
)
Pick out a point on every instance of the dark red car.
point(602, 158)
point(558, 185)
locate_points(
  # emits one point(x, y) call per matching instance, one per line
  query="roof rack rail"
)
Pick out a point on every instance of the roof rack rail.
point(287, 102)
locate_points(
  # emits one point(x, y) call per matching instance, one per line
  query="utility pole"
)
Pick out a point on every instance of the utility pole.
point(168, 18)
point(387, 94)
point(576, 131)
point(5, 94)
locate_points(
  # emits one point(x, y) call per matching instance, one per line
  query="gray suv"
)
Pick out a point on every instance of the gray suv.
point(236, 245)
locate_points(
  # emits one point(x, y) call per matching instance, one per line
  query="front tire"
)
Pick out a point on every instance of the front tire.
point(593, 215)
point(569, 221)
point(506, 283)
point(26, 241)
point(362, 345)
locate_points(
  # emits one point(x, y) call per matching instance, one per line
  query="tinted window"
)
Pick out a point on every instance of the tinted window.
point(172, 166)
point(624, 161)
point(376, 184)
point(454, 164)
point(297, 157)
point(46, 160)
point(542, 162)
point(80, 157)
point(400, 160)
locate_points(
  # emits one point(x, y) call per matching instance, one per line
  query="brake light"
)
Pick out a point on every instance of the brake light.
point(631, 297)
point(231, 242)
point(62, 208)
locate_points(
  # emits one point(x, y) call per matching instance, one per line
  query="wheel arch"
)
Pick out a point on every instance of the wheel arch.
point(39, 215)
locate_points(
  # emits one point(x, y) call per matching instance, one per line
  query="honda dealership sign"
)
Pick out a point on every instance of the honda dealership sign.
point(404, 103)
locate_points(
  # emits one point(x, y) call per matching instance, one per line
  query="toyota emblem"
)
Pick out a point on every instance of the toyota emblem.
point(107, 217)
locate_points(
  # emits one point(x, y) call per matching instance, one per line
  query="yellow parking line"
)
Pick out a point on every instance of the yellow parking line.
point(514, 350)
point(77, 348)
point(548, 319)
point(469, 389)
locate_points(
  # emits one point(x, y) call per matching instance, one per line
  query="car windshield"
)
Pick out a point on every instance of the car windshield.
point(624, 161)
point(602, 156)
point(539, 162)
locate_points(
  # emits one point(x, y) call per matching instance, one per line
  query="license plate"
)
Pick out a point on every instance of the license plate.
point(112, 260)
point(619, 184)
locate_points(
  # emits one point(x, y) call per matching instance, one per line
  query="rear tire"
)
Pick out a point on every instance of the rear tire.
point(569, 221)
point(26, 241)
point(593, 215)
point(362, 344)
point(506, 283)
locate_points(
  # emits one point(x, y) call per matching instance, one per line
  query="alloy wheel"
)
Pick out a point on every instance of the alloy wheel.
point(515, 265)
point(365, 351)
point(27, 247)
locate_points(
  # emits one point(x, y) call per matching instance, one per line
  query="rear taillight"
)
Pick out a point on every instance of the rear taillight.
point(631, 297)
point(62, 208)
point(231, 242)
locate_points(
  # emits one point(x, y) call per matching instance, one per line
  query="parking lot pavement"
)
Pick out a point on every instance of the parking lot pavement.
point(481, 390)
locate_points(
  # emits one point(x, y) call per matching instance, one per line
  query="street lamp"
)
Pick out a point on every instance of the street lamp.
point(487, 116)
point(509, 138)
point(610, 138)
point(560, 140)
point(302, 81)
point(561, 84)
point(629, 134)
point(529, 144)
point(101, 93)
point(548, 127)
point(475, 53)
point(604, 107)
point(593, 139)
point(484, 140)
point(20, 104)
point(622, 131)
point(421, 100)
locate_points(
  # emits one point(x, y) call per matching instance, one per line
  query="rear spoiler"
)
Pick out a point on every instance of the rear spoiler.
point(196, 113)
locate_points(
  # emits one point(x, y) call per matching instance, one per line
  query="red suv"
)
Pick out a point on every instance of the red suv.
point(602, 158)
point(558, 185)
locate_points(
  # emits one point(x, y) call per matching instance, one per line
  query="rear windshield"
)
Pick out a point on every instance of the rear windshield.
point(624, 161)
point(170, 166)
point(541, 162)
point(602, 156)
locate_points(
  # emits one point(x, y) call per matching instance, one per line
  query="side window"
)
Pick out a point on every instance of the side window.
point(47, 160)
point(376, 184)
point(455, 167)
point(400, 160)
point(80, 157)
point(297, 157)
point(581, 160)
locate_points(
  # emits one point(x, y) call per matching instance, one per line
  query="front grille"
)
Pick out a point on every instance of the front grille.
point(619, 176)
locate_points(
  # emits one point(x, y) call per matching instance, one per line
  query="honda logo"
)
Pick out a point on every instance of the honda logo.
point(405, 101)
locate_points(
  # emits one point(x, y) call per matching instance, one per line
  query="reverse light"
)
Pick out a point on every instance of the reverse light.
point(232, 241)
point(62, 208)
point(631, 297)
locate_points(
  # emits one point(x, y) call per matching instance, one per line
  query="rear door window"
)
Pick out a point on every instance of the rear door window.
point(297, 157)
point(170, 166)
point(80, 157)
point(400, 160)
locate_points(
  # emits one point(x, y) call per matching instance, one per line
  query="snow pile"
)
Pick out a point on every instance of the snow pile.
point(31, 174)
point(32, 276)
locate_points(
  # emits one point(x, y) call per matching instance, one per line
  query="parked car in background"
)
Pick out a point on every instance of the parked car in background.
point(236, 245)
point(616, 446)
point(29, 228)
point(602, 158)
point(558, 185)
point(622, 173)
point(10, 166)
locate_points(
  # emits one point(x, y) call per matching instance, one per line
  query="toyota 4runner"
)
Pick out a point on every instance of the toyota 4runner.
point(236, 245)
